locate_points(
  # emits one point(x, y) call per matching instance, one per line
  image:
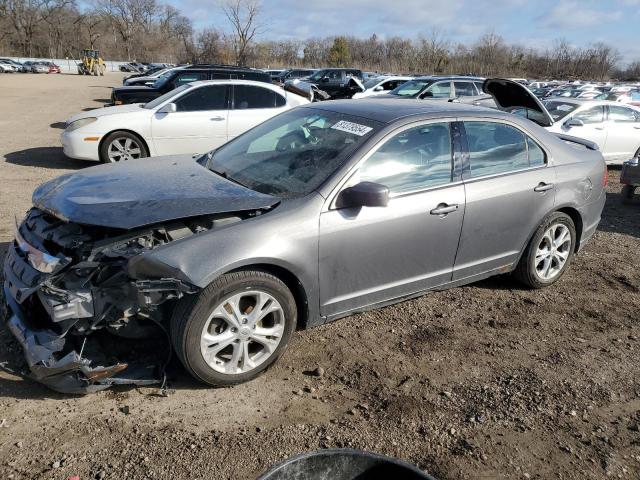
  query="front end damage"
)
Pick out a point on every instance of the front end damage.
point(83, 319)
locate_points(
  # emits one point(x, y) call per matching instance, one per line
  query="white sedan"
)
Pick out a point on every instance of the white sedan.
point(194, 118)
point(615, 128)
point(381, 85)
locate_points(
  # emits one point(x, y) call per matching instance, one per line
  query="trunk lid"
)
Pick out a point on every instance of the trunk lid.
point(514, 97)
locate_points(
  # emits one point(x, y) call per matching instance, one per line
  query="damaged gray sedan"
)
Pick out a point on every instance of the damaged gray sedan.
point(318, 213)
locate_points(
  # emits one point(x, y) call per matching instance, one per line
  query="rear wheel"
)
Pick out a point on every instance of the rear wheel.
point(120, 146)
point(235, 329)
point(627, 194)
point(549, 252)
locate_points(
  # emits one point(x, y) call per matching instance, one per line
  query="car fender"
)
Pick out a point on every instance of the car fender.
point(286, 237)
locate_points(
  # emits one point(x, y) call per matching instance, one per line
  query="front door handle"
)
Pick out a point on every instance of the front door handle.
point(443, 209)
point(543, 187)
point(216, 119)
point(601, 127)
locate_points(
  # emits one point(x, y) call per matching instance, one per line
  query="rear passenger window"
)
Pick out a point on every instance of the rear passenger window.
point(495, 148)
point(412, 160)
point(622, 115)
point(464, 89)
point(249, 96)
point(536, 154)
point(189, 77)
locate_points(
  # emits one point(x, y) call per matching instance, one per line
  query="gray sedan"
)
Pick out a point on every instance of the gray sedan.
point(320, 212)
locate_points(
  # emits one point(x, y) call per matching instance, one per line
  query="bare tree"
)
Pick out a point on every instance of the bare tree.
point(243, 16)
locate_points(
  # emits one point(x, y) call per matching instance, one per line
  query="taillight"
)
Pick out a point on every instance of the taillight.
point(605, 179)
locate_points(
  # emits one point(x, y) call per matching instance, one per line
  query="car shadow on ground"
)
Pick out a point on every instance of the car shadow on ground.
point(58, 125)
point(618, 217)
point(45, 157)
point(102, 100)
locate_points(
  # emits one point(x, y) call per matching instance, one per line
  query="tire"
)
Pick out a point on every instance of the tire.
point(199, 327)
point(627, 194)
point(138, 148)
point(533, 269)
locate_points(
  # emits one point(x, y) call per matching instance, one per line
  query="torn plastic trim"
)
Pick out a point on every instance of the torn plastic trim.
point(71, 373)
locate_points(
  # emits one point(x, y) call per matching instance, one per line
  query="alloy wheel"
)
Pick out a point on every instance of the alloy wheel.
point(123, 148)
point(553, 251)
point(242, 332)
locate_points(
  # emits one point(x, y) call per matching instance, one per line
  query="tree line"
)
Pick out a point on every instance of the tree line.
point(148, 30)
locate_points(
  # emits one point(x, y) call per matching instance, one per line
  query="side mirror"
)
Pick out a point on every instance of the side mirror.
point(574, 122)
point(378, 88)
point(168, 108)
point(364, 194)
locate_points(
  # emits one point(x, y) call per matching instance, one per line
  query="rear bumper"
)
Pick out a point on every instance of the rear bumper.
point(591, 215)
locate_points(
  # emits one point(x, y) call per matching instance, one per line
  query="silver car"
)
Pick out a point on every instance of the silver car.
point(320, 212)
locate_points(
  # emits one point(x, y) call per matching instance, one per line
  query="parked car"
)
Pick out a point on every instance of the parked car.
point(335, 81)
point(614, 127)
point(440, 87)
point(317, 213)
point(149, 73)
point(143, 79)
point(18, 67)
point(133, 67)
point(293, 74)
point(193, 118)
point(6, 67)
point(52, 67)
point(381, 85)
point(630, 179)
point(145, 93)
point(40, 67)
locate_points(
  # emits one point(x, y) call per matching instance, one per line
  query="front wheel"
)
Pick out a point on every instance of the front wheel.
point(120, 146)
point(235, 329)
point(549, 252)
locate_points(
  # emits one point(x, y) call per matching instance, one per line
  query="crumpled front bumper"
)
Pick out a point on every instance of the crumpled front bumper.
point(68, 372)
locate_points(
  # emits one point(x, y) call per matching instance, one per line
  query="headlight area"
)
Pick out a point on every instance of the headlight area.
point(80, 123)
point(89, 324)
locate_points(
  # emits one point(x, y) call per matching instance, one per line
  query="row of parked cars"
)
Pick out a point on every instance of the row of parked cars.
point(8, 65)
point(190, 109)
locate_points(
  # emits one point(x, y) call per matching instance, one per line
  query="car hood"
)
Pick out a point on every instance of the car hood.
point(510, 95)
point(102, 112)
point(133, 89)
point(143, 192)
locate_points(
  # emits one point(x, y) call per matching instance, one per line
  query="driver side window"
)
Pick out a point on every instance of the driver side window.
point(414, 159)
point(591, 115)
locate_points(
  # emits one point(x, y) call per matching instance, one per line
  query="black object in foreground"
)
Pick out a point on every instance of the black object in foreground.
point(344, 464)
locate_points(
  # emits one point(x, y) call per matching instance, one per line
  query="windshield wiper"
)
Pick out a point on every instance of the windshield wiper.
point(226, 176)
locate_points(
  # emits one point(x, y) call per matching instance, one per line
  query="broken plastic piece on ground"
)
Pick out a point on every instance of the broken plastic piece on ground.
point(344, 464)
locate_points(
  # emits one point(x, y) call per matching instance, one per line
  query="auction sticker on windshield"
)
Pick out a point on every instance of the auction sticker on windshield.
point(351, 127)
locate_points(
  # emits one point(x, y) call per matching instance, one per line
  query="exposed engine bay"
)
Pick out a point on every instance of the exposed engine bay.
point(81, 305)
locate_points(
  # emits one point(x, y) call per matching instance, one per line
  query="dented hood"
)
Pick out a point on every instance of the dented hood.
point(510, 95)
point(143, 192)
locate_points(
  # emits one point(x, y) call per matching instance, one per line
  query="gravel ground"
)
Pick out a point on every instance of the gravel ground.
point(488, 381)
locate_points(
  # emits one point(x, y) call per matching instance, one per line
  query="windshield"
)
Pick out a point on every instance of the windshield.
point(558, 109)
point(292, 154)
point(161, 80)
point(163, 98)
point(410, 88)
point(372, 82)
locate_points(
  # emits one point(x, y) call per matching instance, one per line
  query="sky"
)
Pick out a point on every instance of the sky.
point(530, 23)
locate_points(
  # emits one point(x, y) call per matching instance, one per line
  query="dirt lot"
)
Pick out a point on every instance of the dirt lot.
point(487, 381)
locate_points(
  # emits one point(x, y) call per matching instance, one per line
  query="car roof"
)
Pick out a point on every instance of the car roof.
point(389, 110)
point(582, 101)
point(236, 81)
point(450, 77)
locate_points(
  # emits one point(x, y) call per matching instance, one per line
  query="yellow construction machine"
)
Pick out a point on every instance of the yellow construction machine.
point(91, 63)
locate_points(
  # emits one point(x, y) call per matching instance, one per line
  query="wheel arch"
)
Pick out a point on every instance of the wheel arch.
point(127, 130)
point(293, 284)
point(575, 216)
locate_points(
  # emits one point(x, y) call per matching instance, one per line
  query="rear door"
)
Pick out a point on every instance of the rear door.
point(509, 189)
point(440, 90)
point(623, 133)
point(198, 125)
point(252, 105)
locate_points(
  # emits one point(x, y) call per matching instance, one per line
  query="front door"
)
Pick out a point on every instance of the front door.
point(509, 190)
point(370, 255)
point(623, 133)
point(198, 125)
point(593, 127)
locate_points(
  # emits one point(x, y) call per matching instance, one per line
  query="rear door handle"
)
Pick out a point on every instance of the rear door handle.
point(216, 119)
point(543, 187)
point(443, 209)
point(599, 128)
